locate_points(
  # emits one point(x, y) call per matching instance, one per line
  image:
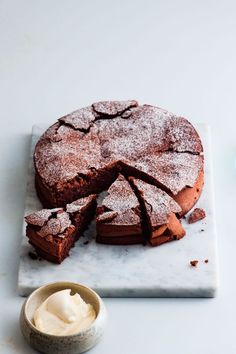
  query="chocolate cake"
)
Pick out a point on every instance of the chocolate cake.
point(53, 232)
point(150, 161)
point(83, 153)
point(118, 219)
point(159, 210)
point(196, 215)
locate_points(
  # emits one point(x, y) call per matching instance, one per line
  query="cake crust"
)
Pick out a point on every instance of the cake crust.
point(83, 152)
point(53, 232)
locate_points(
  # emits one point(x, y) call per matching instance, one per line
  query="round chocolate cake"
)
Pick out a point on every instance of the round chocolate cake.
point(83, 153)
point(149, 161)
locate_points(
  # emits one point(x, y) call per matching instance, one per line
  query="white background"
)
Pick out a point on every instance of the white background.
point(56, 56)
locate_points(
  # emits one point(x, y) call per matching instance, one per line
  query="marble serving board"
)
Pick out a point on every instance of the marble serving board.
point(135, 270)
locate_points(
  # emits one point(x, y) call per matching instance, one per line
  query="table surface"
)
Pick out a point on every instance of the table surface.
point(58, 55)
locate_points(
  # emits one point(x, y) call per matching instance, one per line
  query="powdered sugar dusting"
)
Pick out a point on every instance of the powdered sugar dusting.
point(40, 217)
point(120, 131)
point(174, 170)
point(159, 204)
point(131, 138)
point(180, 134)
point(113, 108)
point(75, 153)
point(148, 130)
point(122, 200)
point(52, 221)
point(52, 227)
point(64, 219)
point(79, 204)
point(107, 216)
point(79, 119)
point(120, 196)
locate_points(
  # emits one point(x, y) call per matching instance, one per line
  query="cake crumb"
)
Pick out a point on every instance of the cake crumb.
point(33, 255)
point(206, 261)
point(196, 215)
point(194, 263)
point(202, 230)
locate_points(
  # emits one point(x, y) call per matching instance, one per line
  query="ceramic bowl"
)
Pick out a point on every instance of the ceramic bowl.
point(71, 344)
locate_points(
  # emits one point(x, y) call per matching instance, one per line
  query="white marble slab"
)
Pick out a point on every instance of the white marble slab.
point(132, 271)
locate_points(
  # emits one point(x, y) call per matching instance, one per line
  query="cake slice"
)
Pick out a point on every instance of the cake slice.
point(118, 219)
point(52, 232)
point(160, 223)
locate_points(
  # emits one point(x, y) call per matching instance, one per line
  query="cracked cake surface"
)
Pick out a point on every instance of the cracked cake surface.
point(119, 215)
point(84, 152)
point(52, 232)
point(150, 162)
point(159, 213)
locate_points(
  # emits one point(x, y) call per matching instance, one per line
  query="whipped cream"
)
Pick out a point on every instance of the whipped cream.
point(64, 314)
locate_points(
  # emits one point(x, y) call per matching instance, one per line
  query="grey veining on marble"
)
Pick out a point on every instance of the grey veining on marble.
point(132, 271)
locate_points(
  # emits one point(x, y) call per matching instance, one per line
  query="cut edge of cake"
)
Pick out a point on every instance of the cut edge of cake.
point(159, 213)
